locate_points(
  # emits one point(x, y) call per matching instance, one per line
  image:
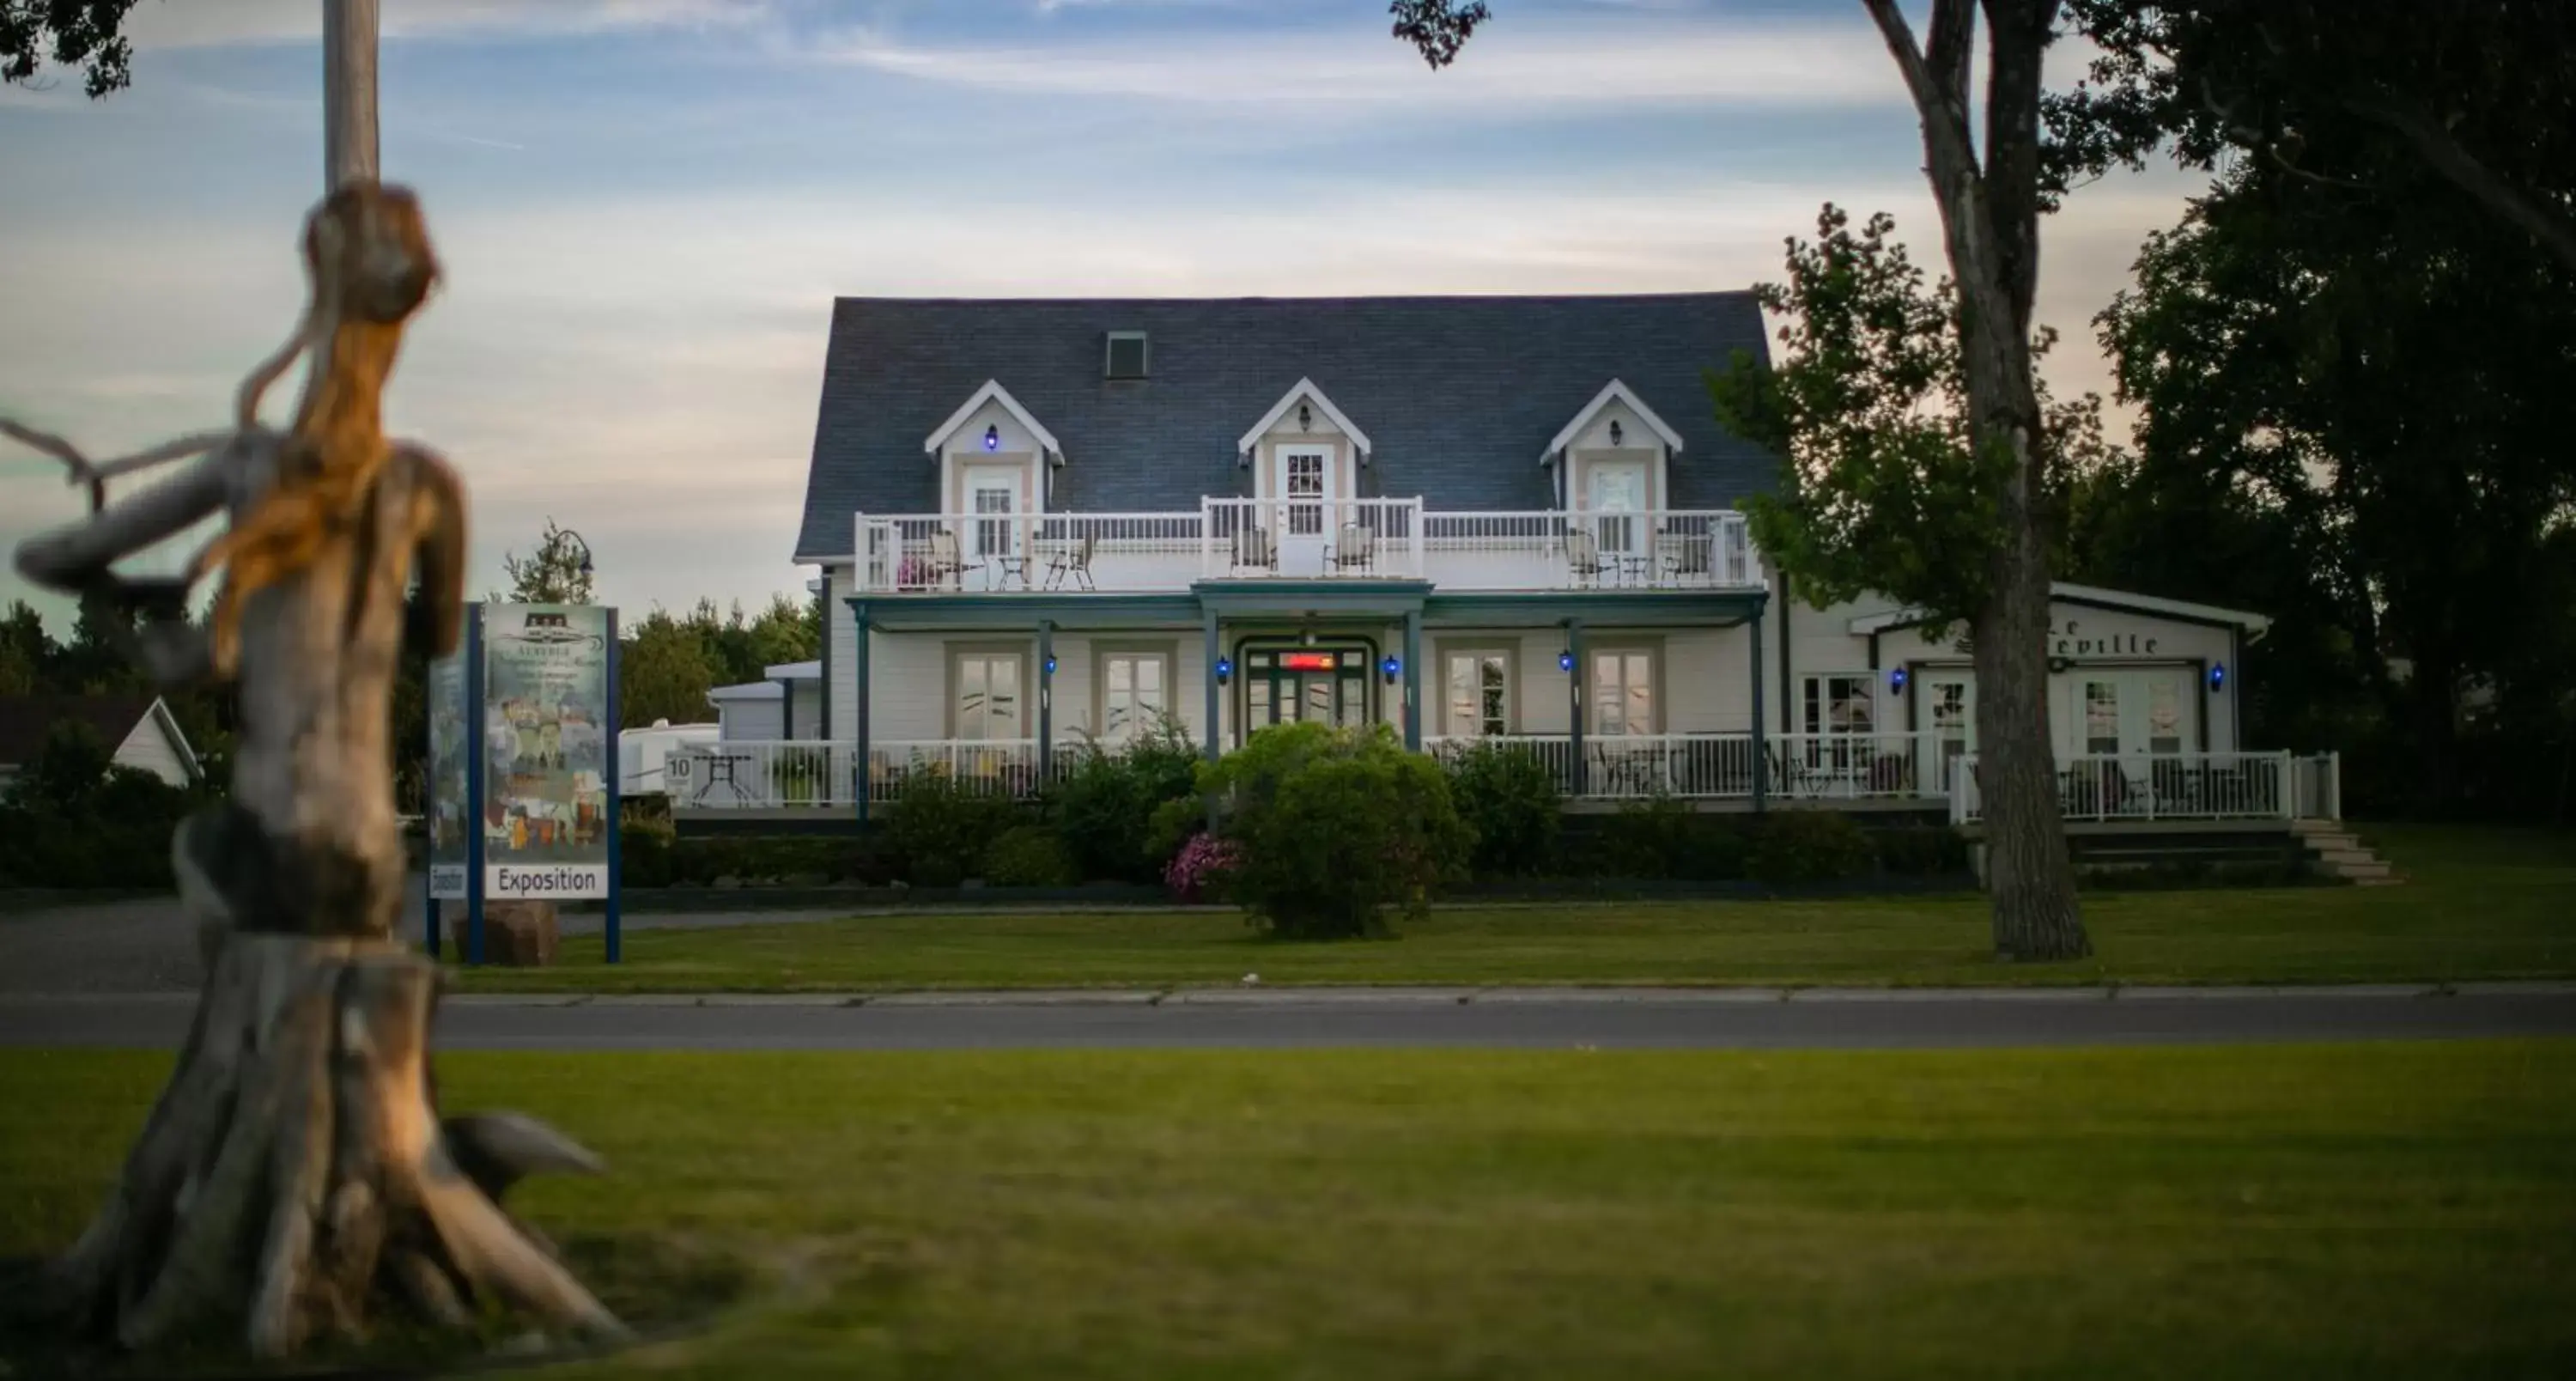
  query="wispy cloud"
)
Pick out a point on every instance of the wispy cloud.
point(224, 23)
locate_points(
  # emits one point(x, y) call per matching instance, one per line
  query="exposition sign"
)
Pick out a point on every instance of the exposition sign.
point(546, 733)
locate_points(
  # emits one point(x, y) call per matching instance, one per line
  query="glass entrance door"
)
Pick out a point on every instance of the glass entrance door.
point(1323, 685)
point(1950, 720)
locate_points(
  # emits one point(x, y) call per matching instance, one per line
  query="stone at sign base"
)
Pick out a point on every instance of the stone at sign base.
point(520, 934)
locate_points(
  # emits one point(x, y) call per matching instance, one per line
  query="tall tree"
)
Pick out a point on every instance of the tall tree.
point(1990, 195)
point(557, 572)
point(86, 34)
point(662, 673)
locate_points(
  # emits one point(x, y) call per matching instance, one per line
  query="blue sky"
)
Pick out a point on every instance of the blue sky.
point(646, 207)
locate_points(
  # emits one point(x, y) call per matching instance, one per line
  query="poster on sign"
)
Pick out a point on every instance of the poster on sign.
point(546, 730)
point(448, 805)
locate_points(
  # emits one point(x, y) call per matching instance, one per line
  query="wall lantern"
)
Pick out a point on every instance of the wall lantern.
point(1305, 419)
point(2218, 676)
point(1614, 431)
point(992, 436)
point(1565, 660)
point(2057, 666)
point(1224, 670)
point(1391, 667)
point(1050, 664)
point(1896, 681)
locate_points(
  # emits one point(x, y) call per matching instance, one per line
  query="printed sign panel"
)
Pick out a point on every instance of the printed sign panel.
point(449, 813)
point(545, 726)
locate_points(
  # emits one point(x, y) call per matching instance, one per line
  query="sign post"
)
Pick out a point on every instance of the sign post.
point(530, 721)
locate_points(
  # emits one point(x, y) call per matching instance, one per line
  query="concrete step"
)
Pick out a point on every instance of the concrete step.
point(2346, 854)
point(2316, 827)
point(2390, 881)
point(2362, 870)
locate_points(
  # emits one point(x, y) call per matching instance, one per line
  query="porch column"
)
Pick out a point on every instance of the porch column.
point(1207, 620)
point(1574, 696)
point(1761, 754)
point(1046, 699)
point(1413, 680)
point(859, 763)
point(786, 710)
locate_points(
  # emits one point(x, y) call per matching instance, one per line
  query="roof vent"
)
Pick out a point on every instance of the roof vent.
point(1126, 355)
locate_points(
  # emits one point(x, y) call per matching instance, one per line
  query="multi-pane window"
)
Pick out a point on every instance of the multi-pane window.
point(989, 699)
point(2164, 715)
point(1478, 688)
point(1305, 491)
point(993, 534)
point(1135, 688)
point(1839, 704)
point(2101, 717)
point(1623, 693)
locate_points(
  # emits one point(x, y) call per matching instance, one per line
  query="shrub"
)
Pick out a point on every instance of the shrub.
point(1105, 807)
point(1202, 869)
point(1334, 826)
point(1920, 850)
point(644, 850)
point(73, 819)
point(940, 826)
point(1641, 839)
point(1808, 846)
point(1509, 798)
point(1030, 856)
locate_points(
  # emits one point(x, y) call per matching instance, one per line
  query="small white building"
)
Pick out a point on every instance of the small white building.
point(1474, 519)
point(138, 729)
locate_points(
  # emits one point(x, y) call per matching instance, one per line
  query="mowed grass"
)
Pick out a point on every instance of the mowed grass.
point(2400, 1210)
point(2479, 904)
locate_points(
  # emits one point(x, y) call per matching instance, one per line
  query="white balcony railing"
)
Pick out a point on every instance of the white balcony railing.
point(1246, 539)
point(2156, 786)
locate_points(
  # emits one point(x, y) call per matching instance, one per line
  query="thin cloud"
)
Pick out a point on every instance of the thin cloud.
point(208, 24)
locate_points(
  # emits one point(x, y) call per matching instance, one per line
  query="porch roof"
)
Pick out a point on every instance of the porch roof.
point(1088, 611)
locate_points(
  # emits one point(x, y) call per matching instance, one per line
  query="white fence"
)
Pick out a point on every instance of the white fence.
point(2157, 786)
point(1800, 767)
point(737, 775)
point(1242, 539)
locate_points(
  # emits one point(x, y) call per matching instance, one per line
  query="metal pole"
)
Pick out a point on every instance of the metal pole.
point(863, 764)
point(615, 823)
point(348, 92)
point(1761, 748)
point(1574, 699)
point(1413, 680)
point(1046, 700)
point(477, 770)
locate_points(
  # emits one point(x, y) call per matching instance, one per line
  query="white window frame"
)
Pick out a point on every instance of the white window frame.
point(1627, 688)
point(1480, 655)
point(1105, 658)
point(1816, 701)
point(982, 719)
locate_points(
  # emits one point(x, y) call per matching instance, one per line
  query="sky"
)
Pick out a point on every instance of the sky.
point(646, 207)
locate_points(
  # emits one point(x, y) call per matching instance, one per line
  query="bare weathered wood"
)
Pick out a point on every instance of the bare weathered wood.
point(348, 92)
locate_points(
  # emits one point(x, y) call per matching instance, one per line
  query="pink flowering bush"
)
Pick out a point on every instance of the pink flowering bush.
point(1200, 871)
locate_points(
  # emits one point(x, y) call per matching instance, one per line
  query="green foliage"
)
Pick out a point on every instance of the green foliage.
point(650, 855)
point(86, 34)
point(1106, 807)
point(1919, 850)
point(1881, 489)
point(1334, 826)
point(940, 826)
point(1030, 856)
point(1658, 838)
point(1508, 797)
point(1808, 846)
point(558, 572)
point(73, 819)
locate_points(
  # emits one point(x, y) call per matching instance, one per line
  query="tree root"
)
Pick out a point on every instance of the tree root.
point(295, 1170)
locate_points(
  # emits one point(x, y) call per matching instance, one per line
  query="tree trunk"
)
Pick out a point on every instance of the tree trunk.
point(2029, 876)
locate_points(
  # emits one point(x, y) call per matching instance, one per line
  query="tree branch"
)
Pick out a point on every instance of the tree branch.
point(2445, 154)
point(1953, 41)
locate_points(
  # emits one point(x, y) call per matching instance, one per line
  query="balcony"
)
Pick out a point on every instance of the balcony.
point(1334, 539)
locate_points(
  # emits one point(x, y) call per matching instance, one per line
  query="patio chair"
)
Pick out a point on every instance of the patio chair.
point(1583, 554)
point(1253, 550)
point(947, 563)
point(1356, 547)
point(1073, 563)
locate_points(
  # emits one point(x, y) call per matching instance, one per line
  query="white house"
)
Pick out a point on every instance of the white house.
point(138, 729)
point(1046, 522)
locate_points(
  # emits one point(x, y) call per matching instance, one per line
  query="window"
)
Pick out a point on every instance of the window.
point(2164, 715)
point(992, 495)
point(2101, 717)
point(1623, 693)
point(1304, 478)
point(988, 696)
point(1839, 703)
point(1478, 689)
point(1126, 355)
point(1135, 689)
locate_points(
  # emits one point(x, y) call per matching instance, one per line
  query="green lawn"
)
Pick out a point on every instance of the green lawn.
point(2398, 1210)
point(2481, 904)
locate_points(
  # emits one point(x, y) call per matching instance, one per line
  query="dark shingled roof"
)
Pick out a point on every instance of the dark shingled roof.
point(1458, 394)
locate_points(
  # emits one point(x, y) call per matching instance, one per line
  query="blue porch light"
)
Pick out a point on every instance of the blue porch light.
point(1896, 681)
point(1391, 667)
point(1565, 660)
point(2218, 676)
point(992, 436)
point(1050, 664)
point(1224, 670)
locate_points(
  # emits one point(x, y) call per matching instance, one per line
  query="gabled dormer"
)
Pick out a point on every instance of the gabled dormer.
point(1613, 454)
point(993, 456)
point(1304, 448)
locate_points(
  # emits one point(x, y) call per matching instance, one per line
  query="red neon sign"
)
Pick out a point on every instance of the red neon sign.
point(1306, 661)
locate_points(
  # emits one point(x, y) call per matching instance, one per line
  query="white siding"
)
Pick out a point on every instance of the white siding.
point(840, 631)
point(749, 720)
point(149, 748)
point(908, 685)
point(808, 723)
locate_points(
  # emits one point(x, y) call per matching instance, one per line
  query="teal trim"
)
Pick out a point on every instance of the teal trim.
point(1620, 608)
point(1019, 611)
point(859, 761)
point(1321, 598)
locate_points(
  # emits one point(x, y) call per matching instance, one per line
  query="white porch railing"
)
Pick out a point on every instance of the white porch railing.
point(1720, 766)
point(759, 776)
point(1242, 539)
point(2156, 786)
point(2316, 787)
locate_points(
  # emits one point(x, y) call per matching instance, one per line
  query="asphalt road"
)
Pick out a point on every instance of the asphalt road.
point(1287, 1018)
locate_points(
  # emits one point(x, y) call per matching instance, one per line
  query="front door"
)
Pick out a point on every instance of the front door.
point(1324, 684)
point(1949, 722)
point(1303, 489)
point(992, 495)
point(1614, 491)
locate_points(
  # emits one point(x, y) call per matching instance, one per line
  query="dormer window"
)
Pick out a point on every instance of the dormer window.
point(1126, 355)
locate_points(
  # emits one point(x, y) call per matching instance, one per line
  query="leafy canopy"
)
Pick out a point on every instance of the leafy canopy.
point(86, 34)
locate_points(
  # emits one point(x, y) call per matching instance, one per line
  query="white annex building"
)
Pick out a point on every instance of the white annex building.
point(1046, 523)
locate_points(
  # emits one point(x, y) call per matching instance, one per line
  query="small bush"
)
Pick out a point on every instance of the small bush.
point(1105, 807)
point(1202, 870)
point(1808, 846)
point(1641, 839)
point(644, 850)
point(940, 826)
point(1334, 826)
point(1509, 798)
point(1030, 856)
point(73, 819)
point(1920, 850)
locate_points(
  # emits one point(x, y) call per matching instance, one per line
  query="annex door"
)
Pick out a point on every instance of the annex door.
point(1304, 493)
point(1324, 684)
point(1949, 709)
